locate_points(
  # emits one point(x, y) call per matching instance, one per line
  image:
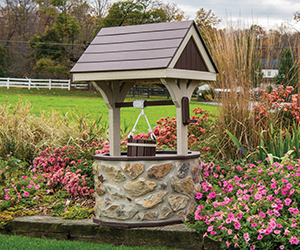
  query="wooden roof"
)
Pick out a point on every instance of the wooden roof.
point(145, 51)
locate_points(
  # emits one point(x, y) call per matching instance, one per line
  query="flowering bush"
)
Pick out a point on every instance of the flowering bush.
point(276, 105)
point(18, 186)
point(200, 133)
point(250, 207)
point(67, 168)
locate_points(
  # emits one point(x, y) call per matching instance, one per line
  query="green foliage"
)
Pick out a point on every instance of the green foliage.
point(287, 70)
point(276, 146)
point(134, 12)
point(54, 49)
point(77, 212)
point(3, 61)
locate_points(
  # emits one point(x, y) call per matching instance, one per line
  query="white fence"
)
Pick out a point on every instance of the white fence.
point(39, 83)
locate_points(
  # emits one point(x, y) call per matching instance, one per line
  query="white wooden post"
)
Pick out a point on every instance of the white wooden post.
point(7, 84)
point(49, 84)
point(29, 81)
point(69, 84)
point(177, 90)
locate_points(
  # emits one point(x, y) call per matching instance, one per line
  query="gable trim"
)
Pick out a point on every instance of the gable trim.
point(194, 34)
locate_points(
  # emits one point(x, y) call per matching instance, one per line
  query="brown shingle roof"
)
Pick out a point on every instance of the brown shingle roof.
point(147, 46)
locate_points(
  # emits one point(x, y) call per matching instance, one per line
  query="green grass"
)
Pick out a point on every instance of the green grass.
point(91, 104)
point(13, 242)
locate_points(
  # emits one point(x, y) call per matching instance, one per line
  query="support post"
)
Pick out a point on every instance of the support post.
point(179, 89)
point(112, 93)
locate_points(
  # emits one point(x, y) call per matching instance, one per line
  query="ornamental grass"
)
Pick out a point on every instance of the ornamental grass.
point(25, 135)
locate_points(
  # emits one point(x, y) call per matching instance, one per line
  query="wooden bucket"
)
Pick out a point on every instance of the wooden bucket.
point(141, 147)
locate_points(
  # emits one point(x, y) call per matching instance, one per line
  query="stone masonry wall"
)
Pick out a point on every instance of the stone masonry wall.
point(145, 191)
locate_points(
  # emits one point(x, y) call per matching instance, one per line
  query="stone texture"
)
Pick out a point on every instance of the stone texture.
point(196, 171)
point(163, 186)
point(191, 208)
point(98, 188)
point(114, 173)
point(151, 216)
point(97, 209)
point(114, 192)
point(133, 170)
point(96, 168)
point(159, 171)
point(166, 213)
point(177, 202)
point(107, 201)
point(139, 187)
point(120, 212)
point(185, 186)
point(151, 200)
point(180, 214)
point(182, 170)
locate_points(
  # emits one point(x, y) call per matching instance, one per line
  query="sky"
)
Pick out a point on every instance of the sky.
point(269, 14)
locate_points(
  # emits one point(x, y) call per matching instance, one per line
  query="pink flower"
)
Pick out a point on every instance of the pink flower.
point(231, 215)
point(228, 244)
point(254, 225)
point(213, 232)
point(294, 240)
point(257, 196)
point(281, 247)
point(246, 236)
point(252, 247)
point(26, 194)
point(287, 201)
point(24, 177)
point(237, 225)
point(212, 195)
point(37, 187)
point(29, 186)
point(277, 232)
point(199, 195)
point(259, 237)
point(210, 228)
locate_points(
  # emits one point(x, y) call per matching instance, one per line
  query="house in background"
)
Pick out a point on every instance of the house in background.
point(270, 70)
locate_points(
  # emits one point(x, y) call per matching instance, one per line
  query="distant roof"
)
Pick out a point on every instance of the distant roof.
point(270, 63)
point(146, 47)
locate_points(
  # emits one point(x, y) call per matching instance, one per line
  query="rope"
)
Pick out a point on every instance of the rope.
point(141, 105)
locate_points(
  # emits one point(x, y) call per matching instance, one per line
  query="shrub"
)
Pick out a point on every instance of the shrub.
point(69, 168)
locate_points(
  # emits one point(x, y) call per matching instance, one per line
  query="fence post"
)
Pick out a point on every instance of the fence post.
point(7, 86)
point(49, 84)
point(69, 84)
point(29, 82)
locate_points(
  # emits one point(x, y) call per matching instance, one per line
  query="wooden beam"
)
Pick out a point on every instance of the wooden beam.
point(147, 103)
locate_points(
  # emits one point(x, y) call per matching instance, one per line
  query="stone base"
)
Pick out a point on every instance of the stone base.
point(145, 191)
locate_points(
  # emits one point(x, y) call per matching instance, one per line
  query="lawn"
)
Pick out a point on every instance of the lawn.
point(91, 104)
point(13, 242)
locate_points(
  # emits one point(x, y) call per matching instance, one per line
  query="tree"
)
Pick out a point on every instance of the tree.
point(3, 61)
point(287, 70)
point(133, 12)
point(206, 21)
